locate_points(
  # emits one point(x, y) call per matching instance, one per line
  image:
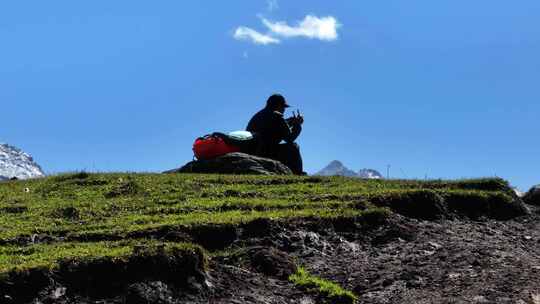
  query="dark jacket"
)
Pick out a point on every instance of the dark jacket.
point(270, 128)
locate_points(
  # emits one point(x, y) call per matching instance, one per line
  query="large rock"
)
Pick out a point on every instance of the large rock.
point(235, 163)
point(533, 196)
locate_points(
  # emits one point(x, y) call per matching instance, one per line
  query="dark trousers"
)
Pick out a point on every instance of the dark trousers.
point(289, 155)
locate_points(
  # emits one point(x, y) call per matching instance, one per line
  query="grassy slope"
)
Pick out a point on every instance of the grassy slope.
point(69, 207)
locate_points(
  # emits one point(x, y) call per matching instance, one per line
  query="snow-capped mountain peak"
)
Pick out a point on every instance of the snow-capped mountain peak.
point(16, 163)
point(369, 173)
point(337, 168)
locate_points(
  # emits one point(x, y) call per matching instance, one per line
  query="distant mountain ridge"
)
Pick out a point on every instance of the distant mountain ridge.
point(337, 168)
point(16, 163)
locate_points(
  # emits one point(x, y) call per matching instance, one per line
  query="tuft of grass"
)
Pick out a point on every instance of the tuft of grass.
point(329, 291)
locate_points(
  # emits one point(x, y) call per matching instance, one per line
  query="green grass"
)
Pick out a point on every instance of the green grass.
point(48, 257)
point(329, 291)
point(120, 206)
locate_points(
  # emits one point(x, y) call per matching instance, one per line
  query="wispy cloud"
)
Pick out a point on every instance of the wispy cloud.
point(245, 33)
point(272, 5)
point(312, 27)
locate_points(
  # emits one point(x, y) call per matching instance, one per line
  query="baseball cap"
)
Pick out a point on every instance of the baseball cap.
point(277, 100)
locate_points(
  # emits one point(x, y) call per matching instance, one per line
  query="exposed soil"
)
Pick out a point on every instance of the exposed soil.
point(403, 260)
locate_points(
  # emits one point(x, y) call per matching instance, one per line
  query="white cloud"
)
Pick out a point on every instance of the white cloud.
point(312, 27)
point(245, 33)
point(272, 5)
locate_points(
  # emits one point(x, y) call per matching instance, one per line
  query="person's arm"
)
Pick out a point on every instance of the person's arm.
point(295, 132)
point(288, 133)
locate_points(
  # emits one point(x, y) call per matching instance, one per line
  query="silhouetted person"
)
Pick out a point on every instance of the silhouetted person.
point(270, 128)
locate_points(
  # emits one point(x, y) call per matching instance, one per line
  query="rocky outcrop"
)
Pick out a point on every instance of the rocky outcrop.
point(533, 196)
point(235, 163)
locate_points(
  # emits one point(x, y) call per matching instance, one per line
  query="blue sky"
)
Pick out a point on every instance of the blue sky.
point(438, 89)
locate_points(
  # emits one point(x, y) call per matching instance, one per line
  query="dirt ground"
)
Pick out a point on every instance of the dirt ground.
point(402, 261)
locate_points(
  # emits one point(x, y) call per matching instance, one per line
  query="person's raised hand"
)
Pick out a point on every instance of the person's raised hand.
point(299, 118)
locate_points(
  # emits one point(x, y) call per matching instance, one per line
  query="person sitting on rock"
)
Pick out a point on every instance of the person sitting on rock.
point(270, 129)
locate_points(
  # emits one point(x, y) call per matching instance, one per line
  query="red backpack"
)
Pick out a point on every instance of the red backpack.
point(211, 146)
